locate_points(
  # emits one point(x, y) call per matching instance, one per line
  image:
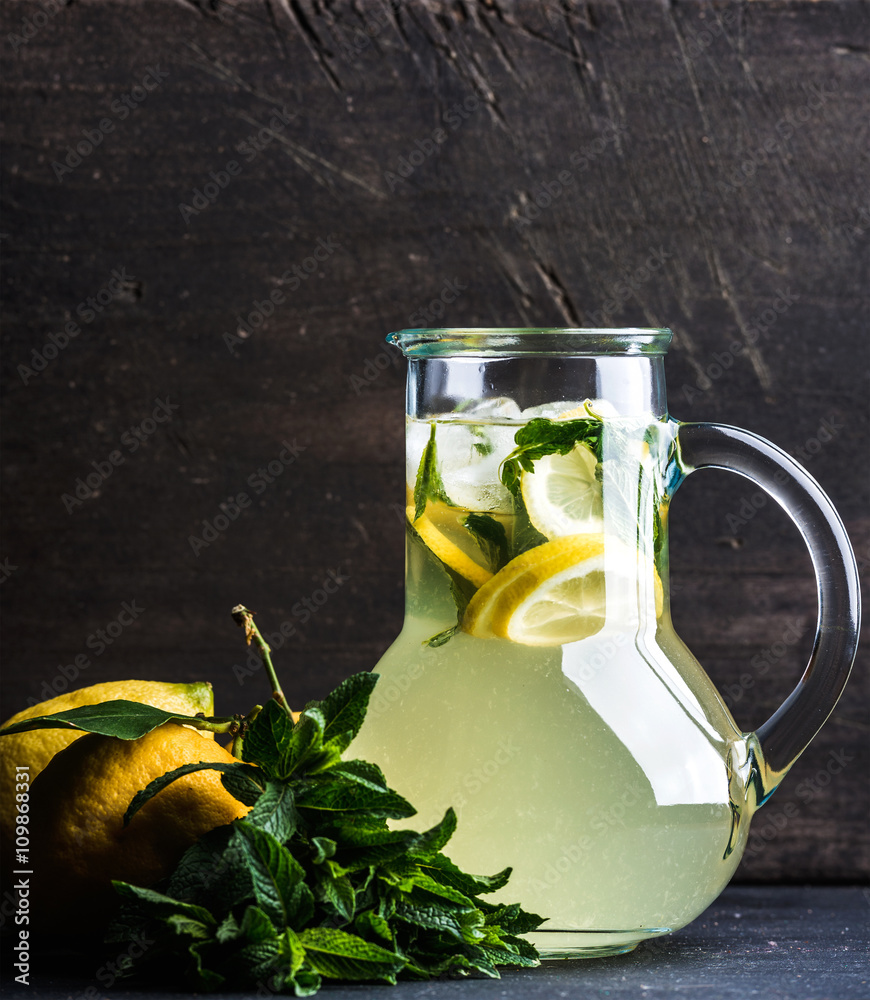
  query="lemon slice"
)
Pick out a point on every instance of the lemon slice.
point(446, 550)
point(549, 595)
point(562, 495)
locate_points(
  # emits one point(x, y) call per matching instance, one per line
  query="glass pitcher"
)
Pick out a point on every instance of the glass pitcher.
point(538, 685)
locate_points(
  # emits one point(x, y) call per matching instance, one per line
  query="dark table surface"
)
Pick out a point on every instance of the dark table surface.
point(780, 942)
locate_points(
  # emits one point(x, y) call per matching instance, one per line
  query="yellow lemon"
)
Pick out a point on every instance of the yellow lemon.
point(563, 496)
point(440, 528)
point(34, 749)
point(79, 842)
point(552, 594)
point(557, 592)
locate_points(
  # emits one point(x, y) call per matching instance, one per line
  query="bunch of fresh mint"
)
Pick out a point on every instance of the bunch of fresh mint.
point(313, 882)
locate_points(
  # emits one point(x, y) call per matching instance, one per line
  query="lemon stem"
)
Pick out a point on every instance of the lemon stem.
point(245, 619)
point(239, 737)
point(214, 724)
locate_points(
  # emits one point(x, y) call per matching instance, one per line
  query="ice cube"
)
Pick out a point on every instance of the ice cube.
point(494, 408)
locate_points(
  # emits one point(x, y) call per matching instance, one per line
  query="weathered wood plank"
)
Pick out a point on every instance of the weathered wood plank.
point(725, 143)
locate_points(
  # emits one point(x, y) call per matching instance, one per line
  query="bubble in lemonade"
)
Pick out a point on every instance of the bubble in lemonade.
point(535, 607)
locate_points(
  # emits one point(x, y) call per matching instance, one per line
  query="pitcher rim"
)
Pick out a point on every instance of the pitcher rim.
point(546, 340)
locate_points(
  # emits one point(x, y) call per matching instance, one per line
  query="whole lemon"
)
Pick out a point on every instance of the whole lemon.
point(77, 807)
point(34, 749)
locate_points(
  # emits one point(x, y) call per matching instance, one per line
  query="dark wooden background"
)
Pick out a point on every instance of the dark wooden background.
point(729, 139)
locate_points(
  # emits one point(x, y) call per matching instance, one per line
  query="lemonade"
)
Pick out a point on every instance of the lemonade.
point(538, 686)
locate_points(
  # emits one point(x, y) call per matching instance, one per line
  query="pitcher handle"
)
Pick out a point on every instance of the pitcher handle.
point(787, 733)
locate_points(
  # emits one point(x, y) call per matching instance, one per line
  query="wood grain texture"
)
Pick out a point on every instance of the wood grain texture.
point(551, 152)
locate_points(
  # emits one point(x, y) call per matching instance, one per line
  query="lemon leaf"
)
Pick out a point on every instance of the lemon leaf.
point(128, 720)
point(252, 775)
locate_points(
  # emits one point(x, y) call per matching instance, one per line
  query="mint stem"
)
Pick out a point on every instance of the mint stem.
point(245, 619)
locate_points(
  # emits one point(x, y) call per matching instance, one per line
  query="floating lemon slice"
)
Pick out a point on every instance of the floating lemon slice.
point(562, 495)
point(551, 594)
point(556, 593)
point(446, 550)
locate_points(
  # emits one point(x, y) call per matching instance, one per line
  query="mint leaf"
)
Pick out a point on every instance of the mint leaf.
point(338, 892)
point(442, 869)
point(267, 737)
point(461, 589)
point(156, 904)
point(241, 786)
point(462, 924)
point(256, 926)
point(213, 872)
point(362, 772)
point(431, 842)
point(525, 535)
point(491, 537)
point(305, 742)
point(275, 811)
point(445, 636)
point(128, 720)
point(540, 437)
point(345, 708)
point(340, 955)
point(277, 876)
point(252, 777)
point(429, 483)
point(340, 796)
